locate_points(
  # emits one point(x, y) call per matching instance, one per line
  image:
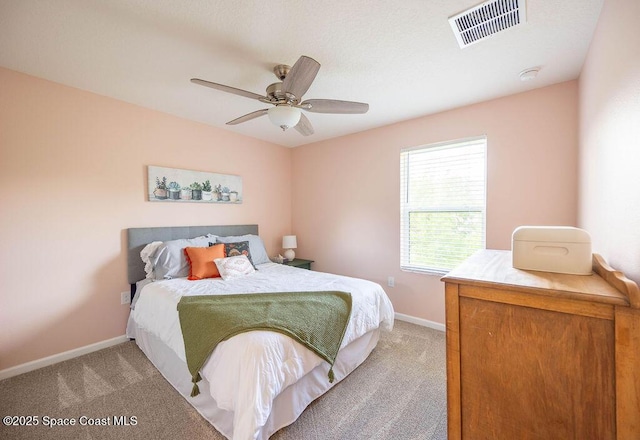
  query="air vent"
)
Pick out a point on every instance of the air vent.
point(486, 19)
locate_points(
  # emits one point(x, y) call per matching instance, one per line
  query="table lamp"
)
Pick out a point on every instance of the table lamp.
point(289, 243)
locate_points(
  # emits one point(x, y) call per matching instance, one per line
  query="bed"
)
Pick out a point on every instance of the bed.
point(256, 382)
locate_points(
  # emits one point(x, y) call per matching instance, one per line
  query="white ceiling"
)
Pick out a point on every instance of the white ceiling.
point(400, 57)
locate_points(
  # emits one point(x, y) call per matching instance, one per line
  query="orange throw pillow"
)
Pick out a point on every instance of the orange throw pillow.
point(201, 261)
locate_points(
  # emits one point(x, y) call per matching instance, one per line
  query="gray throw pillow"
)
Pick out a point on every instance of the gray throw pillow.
point(169, 260)
point(256, 246)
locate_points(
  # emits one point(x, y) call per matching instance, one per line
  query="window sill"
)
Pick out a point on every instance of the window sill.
point(432, 272)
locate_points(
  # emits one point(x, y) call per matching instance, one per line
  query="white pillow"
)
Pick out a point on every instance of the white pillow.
point(234, 267)
point(146, 253)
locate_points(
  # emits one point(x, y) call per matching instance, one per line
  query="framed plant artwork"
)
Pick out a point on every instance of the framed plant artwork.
point(178, 186)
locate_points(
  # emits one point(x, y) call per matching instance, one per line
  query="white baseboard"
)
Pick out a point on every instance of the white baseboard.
point(54, 359)
point(420, 321)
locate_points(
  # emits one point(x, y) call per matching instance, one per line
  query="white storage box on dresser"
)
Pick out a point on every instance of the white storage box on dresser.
point(560, 249)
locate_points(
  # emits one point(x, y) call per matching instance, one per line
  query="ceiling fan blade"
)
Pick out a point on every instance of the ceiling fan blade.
point(304, 127)
point(300, 77)
point(248, 117)
point(227, 89)
point(334, 106)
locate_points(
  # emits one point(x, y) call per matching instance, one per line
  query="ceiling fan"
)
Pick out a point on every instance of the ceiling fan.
point(286, 96)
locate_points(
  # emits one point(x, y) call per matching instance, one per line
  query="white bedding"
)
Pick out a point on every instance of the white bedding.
point(249, 370)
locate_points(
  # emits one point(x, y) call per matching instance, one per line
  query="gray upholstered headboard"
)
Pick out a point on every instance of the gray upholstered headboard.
point(138, 238)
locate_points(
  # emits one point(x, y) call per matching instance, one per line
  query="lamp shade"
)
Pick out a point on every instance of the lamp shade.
point(289, 242)
point(284, 116)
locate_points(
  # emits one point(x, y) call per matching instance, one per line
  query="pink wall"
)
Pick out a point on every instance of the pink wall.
point(74, 164)
point(346, 210)
point(72, 169)
point(610, 137)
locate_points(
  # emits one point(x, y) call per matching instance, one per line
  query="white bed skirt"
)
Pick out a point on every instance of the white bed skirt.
point(287, 406)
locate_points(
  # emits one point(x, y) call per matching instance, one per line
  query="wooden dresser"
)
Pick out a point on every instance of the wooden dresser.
point(538, 355)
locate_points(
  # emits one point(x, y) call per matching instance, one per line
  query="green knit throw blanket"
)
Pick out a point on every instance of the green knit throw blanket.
point(317, 320)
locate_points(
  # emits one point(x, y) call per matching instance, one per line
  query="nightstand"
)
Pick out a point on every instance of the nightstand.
point(299, 262)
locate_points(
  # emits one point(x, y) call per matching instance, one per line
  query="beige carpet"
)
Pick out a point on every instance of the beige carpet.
point(398, 393)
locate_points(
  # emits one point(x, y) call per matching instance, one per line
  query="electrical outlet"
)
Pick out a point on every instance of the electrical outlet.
point(125, 298)
point(391, 282)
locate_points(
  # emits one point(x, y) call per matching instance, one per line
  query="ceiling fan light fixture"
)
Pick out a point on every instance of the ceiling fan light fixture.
point(286, 96)
point(284, 116)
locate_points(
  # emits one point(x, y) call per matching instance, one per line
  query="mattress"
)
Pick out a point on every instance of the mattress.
point(246, 374)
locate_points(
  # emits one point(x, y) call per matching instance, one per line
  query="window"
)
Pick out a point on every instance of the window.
point(442, 204)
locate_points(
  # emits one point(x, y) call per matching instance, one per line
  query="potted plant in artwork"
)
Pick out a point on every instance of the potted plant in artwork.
point(185, 193)
point(196, 191)
point(233, 196)
point(225, 194)
point(161, 188)
point(206, 191)
point(174, 190)
point(217, 193)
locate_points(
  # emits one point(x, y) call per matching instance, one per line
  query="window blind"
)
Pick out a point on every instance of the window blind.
point(442, 204)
